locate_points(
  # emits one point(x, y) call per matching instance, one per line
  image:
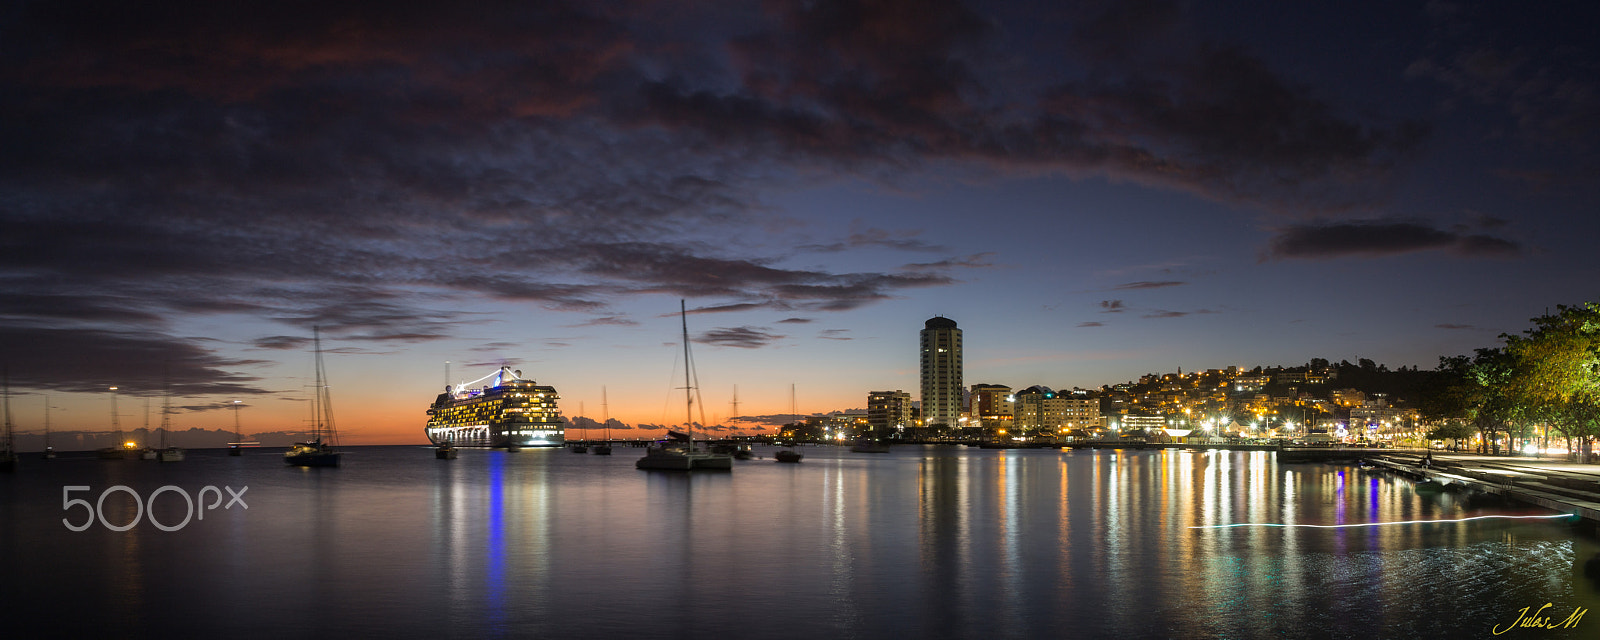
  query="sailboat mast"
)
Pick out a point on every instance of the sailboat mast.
point(7, 375)
point(115, 425)
point(688, 387)
point(46, 420)
point(166, 407)
point(324, 399)
point(605, 413)
point(166, 417)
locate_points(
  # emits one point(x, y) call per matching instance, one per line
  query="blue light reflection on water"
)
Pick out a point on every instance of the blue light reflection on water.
point(935, 542)
point(495, 558)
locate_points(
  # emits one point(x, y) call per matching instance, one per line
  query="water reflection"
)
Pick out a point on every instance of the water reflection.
point(927, 542)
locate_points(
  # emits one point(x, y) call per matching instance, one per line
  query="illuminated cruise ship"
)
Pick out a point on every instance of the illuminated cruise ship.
point(506, 411)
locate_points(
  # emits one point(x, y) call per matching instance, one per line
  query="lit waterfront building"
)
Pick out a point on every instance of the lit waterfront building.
point(941, 373)
point(1374, 421)
point(1143, 423)
point(991, 406)
point(888, 412)
point(1348, 397)
point(1080, 410)
point(1038, 408)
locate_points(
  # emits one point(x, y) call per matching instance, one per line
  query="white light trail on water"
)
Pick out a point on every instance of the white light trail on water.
point(1369, 524)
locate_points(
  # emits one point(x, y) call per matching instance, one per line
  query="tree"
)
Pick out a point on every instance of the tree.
point(1472, 391)
point(1453, 430)
point(1557, 373)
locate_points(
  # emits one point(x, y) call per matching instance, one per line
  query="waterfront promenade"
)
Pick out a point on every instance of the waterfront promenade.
point(1563, 486)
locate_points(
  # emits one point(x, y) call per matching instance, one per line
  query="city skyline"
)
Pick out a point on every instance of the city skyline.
point(1094, 191)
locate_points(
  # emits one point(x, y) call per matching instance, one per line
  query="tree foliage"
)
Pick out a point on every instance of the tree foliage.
point(1549, 375)
point(1556, 372)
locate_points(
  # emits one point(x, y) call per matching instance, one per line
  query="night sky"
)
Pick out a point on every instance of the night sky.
point(1092, 190)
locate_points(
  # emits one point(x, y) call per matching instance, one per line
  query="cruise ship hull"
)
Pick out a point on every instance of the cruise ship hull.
point(495, 437)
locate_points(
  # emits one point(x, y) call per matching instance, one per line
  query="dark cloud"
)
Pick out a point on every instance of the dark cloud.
point(795, 321)
point(976, 260)
point(200, 408)
point(286, 343)
point(318, 167)
point(1490, 222)
point(364, 167)
point(494, 364)
point(669, 268)
point(1148, 285)
point(137, 362)
point(1111, 306)
point(725, 308)
point(1380, 238)
point(591, 425)
point(861, 236)
point(1478, 245)
point(742, 337)
point(834, 334)
point(1546, 83)
point(769, 420)
point(607, 321)
point(495, 347)
point(1453, 326)
point(1091, 324)
point(1162, 313)
point(907, 81)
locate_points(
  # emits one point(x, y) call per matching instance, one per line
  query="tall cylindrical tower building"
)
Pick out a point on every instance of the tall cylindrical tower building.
point(941, 373)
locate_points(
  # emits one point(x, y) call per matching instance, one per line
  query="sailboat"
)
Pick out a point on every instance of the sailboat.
point(118, 450)
point(236, 448)
point(789, 454)
point(8, 450)
point(739, 450)
point(673, 455)
point(604, 448)
point(49, 451)
point(445, 450)
point(145, 452)
point(166, 453)
point(319, 451)
point(581, 447)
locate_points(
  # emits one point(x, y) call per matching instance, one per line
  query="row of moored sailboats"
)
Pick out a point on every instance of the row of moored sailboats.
point(319, 451)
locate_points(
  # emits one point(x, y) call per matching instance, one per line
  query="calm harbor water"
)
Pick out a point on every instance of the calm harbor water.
point(924, 542)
